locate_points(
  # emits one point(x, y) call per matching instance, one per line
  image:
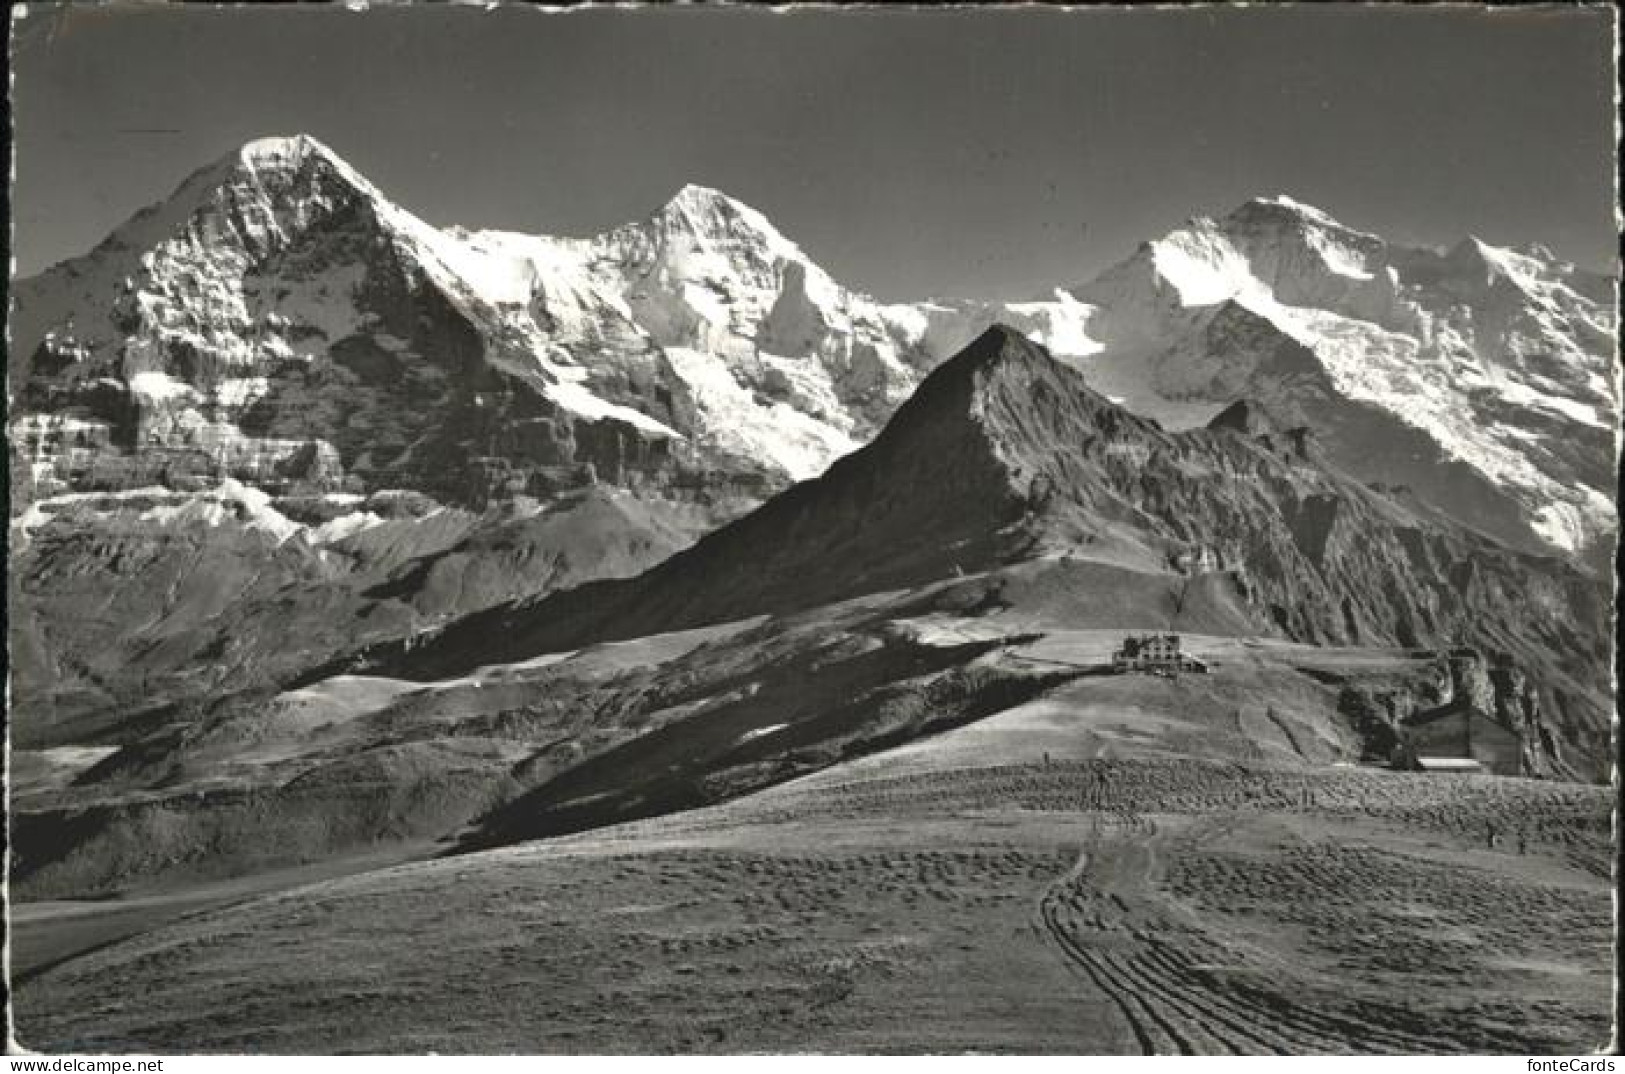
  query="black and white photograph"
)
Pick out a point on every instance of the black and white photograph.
point(716, 529)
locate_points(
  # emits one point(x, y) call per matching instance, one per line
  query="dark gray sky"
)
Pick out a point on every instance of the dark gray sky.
point(968, 151)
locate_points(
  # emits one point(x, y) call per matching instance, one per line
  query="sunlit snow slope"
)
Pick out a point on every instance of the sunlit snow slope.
point(1483, 379)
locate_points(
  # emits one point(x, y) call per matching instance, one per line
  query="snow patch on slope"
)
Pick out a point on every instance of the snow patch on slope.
point(157, 508)
point(735, 420)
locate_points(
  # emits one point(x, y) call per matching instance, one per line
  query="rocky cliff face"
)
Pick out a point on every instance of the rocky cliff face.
point(278, 322)
point(1430, 708)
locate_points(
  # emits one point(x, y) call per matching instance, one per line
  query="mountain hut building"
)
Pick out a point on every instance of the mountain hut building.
point(1154, 653)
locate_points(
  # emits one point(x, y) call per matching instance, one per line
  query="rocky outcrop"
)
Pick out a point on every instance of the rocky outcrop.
point(1244, 416)
point(1431, 707)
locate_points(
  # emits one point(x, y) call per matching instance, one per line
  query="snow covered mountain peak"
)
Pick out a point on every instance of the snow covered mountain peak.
point(705, 220)
point(282, 166)
point(178, 266)
point(283, 147)
point(705, 201)
point(1470, 375)
point(280, 163)
point(1269, 249)
point(1284, 208)
point(1483, 264)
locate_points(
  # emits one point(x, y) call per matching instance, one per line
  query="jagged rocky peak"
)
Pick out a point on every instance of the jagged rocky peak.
point(1014, 389)
point(264, 186)
point(1261, 221)
point(1263, 251)
point(736, 257)
point(702, 202)
point(998, 347)
point(1469, 253)
point(1473, 250)
point(1282, 210)
point(1484, 265)
point(1283, 221)
point(1245, 416)
point(1003, 355)
point(294, 165)
point(1252, 419)
point(169, 289)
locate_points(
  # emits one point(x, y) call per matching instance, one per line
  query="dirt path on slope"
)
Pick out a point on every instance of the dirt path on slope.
point(1185, 985)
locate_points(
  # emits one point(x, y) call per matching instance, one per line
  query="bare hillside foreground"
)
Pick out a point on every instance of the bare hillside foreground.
point(1124, 864)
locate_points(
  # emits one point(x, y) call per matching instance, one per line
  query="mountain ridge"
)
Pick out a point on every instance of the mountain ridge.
point(1005, 455)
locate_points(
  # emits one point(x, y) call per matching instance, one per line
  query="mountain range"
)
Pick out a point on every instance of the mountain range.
point(684, 652)
point(277, 424)
point(280, 321)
